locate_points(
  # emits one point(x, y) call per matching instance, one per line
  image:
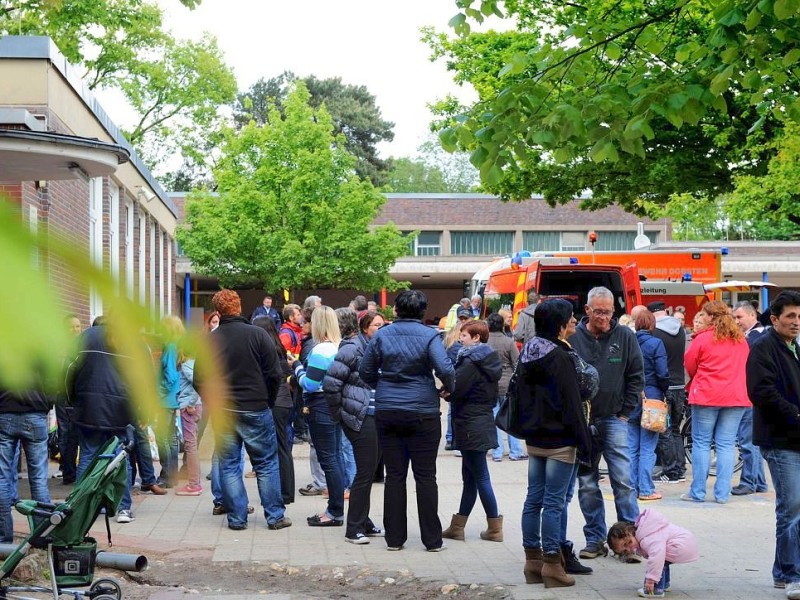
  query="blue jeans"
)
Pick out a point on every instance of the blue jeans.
point(642, 447)
point(142, 459)
point(255, 431)
point(167, 439)
point(752, 476)
point(326, 435)
point(784, 466)
point(216, 477)
point(516, 447)
point(90, 443)
point(612, 439)
point(29, 429)
point(448, 436)
point(720, 424)
point(548, 481)
point(476, 481)
point(348, 462)
point(567, 500)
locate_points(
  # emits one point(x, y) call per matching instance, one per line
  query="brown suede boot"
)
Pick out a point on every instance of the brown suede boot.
point(553, 572)
point(494, 532)
point(533, 565)
point(456, 529)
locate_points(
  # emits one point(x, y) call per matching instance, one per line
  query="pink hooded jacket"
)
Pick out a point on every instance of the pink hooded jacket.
point(661, 541)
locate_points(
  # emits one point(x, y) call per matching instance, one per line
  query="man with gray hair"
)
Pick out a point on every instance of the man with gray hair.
point(752, 479)
point(525, 327)
point(614, 352)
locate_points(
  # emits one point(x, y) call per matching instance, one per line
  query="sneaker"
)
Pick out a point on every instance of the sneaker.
point(125, 516)
point(497, 459)
point(281, 524)
point(690, 498)
point(779, 583)
point(593, 550)
point(516, 458)
point(358, 539)
point(395, 548)
point(793, 590)
point(457, 453)
point(656, 593)
point(237, 526)
point(374, 532)
point(437, 548)
point(189, 490)
point(310, 490)
point(742, 490)
point(218, 509)
point(448, 445)
point(58, 474)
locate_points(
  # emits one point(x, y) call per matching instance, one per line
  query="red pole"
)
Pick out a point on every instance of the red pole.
point(383, 297)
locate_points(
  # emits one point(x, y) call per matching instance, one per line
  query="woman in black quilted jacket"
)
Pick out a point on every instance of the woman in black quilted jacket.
point(352, 403)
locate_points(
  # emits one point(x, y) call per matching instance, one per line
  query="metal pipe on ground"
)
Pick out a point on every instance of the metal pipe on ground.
point(109, 560)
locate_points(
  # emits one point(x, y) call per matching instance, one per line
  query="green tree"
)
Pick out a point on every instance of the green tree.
point(415, 176)
point(351, 107)
point(290, 210)
point(175, 86)
point(625, 85)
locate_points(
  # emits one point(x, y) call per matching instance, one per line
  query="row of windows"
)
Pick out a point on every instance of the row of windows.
point(493, 243)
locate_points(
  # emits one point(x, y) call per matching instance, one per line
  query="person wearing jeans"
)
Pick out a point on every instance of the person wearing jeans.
point(715, 362)
point(90, 444)
point(614, 352)
point(773, 385)
point(752, 478)
point(399, 364)
point(352, 402)
point(23, 420)
point(509, 355)
point(246, 355)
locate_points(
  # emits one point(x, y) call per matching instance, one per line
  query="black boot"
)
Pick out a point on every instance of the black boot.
point(571, 563)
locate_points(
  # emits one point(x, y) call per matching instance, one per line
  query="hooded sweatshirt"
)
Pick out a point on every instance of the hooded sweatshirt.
point(478, 369)
point(661, 541)
point(670, 331)
point(616, 356)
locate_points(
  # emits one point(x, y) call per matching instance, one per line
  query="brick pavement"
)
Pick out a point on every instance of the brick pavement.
point(736, 540)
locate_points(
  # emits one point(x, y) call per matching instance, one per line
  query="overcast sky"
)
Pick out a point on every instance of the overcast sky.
point(365, 42)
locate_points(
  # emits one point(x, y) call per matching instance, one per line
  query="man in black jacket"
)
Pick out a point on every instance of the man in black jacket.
point(101, 402)
point(615, 353)
point(773, 384)
point(23, 420)
point(248, 360)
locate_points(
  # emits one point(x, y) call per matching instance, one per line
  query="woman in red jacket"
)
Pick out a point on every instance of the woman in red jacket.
point(715, 362)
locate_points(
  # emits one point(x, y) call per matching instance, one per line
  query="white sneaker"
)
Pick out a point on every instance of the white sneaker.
point(793, 590)
point(125, 516)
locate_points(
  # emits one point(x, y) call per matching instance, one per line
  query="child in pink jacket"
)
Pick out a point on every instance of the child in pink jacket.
point(660, 542)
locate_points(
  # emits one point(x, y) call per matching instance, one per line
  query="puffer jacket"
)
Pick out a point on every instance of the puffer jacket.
point(399, 363)
point(95, 387)
point(656, 371)
point(550, 405)
point(347, 395)
point(660, 541)
point(478, 369)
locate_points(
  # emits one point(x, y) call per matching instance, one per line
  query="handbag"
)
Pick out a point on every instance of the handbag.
point(655, 415)
point(507, 417)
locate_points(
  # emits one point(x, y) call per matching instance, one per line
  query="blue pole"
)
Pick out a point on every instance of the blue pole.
point(764, 292)
point(187, 296)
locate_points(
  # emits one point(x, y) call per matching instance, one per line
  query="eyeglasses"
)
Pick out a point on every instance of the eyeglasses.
point(597, 312)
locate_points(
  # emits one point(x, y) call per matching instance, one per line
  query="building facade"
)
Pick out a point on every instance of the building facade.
point(120, 216)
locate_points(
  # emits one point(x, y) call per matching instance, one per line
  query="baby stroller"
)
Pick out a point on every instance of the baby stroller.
point(62, 529)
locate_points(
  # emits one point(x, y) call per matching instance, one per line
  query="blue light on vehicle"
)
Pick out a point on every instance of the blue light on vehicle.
point(686, 277)
point(724, 251)
point(573, 260)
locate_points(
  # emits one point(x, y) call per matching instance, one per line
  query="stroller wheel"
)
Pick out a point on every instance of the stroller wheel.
point(105, 589)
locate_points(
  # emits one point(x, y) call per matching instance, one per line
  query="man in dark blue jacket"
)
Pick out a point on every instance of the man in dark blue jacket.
point(773, 384)
point(266, 310)
point(23, 420)
point(399, 363)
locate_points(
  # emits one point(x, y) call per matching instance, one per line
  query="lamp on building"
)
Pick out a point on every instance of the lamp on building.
point(144, 196)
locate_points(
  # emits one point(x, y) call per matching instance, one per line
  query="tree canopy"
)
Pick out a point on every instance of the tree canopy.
point(634, 100)
point(290, 211)
point(433, 170)
point(175, 86)
point(351, 107)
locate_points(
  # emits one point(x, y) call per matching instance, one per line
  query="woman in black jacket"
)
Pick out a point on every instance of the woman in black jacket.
point(352, 403)
point(478, 369)
point(556, 434)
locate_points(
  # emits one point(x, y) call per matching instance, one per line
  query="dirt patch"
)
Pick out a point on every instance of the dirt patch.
point(360, 583)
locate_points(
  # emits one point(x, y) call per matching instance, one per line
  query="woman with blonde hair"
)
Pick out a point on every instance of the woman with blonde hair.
point(172, 357)
point(715, 362)
point(326, 434)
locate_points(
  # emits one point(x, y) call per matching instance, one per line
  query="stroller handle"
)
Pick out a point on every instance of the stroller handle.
point(129, 441)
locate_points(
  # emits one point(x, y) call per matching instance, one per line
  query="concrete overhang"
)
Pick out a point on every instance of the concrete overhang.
point(38, 156)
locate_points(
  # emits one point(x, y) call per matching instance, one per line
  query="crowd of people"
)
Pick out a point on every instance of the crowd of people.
point(370, 396)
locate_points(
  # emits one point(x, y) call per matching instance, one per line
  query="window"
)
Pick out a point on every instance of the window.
point(486, 243)
point(427, 243)
point(541, 241)
point(128, 243)
point(573, 241)
point(95, 241)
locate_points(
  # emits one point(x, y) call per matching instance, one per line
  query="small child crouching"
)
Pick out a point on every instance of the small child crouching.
point(660, 542)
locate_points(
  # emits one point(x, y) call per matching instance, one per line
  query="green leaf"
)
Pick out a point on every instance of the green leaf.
point(457, 20)
point(753, 19)
point(791, 57)
point(785, 9)
point(732, 18)
point(494, 176)
point(683, 52)
point(613, 51)
point(562, 155)
point(721, 82)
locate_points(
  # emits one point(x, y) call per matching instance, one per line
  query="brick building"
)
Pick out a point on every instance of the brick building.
point(72, 174)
